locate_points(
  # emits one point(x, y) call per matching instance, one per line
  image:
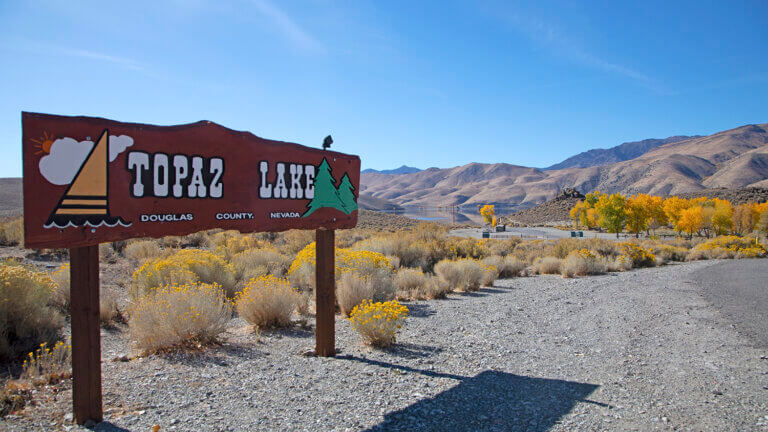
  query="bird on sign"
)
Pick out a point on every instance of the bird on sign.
point(327, 142)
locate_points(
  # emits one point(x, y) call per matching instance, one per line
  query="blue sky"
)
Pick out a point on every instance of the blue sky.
point(397, 82)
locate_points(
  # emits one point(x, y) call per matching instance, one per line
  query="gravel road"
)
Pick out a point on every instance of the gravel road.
point(641, 350)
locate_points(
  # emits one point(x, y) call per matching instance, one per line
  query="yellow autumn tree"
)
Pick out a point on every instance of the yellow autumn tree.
point(578, 213)
point(691, 220)
point(488, 213)
point(722, 218)
point(612, 212)
point(638, 213)
point(656, 212)
point(673, 207)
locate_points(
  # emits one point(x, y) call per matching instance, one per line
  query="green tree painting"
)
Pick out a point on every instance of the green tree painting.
point(347, 195)
point(326, 194)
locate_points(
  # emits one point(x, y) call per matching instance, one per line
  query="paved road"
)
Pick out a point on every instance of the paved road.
point(534, 233)
point(739, 289)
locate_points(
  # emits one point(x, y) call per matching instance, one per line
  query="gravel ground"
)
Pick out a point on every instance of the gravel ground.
point(640, 350)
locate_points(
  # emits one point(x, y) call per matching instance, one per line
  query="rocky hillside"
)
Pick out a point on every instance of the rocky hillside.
point(732, 159)
point(555, 210)
point(620, 153)
point(735, 196)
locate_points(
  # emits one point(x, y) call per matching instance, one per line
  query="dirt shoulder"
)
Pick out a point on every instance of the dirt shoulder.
point(640, 350)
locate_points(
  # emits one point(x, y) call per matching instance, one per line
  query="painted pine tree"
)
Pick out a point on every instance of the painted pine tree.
point(347, 195)
point(326, 194)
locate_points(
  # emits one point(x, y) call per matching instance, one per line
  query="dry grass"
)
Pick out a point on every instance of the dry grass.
point(507, 266)
point(109, 313)
point(12, 232)
point(581, 264)
point(26, 319)
point(462, 275)
point(142, 250)
point(107, 253)
point(177, 316)
point(351, 290)
point(258, 262)
point(413, 284)
point(267, 301)
point(410, 282)
point(546, 265)
point(60, 294)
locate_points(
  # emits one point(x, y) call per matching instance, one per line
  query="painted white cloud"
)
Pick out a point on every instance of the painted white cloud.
point(61, 164)
point(118, 144)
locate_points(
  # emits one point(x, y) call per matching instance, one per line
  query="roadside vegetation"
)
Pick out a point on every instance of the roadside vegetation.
point(702, 216)
point(182, 292)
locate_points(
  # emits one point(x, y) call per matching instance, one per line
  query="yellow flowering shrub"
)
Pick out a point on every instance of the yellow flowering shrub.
point(727, 247)
point(635, 255)
point(235, 244)
point(186, 266)
point(48, 363)
point(468, 247)
point(267, 301)
point(378, 322)
point(174, 315)
point(671, 252)
point(346, 260)
point(26, 318)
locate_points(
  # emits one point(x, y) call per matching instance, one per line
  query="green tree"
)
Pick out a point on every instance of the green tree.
point(612, 212)
point(347, 195)
point(326, 194)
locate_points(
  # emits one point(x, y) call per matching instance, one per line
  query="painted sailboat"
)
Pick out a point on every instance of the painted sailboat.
point(86, 200)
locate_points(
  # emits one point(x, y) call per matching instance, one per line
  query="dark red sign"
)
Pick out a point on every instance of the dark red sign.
point(91, 180)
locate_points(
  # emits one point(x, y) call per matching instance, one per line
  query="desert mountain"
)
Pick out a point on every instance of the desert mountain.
point(733, 159)
point(402, 170)
point(619, 153)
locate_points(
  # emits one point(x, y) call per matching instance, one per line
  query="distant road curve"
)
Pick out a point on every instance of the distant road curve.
point(739, 288)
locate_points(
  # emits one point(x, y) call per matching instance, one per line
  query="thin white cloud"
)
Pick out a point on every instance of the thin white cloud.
point(288, 27)
point(549, 36)
point(120, 61)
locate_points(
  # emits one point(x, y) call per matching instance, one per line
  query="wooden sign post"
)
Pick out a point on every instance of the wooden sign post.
point(86, 337)
point(325, 293)
point(92, 180)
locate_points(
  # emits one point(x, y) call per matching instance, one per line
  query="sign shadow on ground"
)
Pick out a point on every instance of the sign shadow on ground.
point(491, 400)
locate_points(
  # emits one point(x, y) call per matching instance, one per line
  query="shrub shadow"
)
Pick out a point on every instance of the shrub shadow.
point(420, 310)
point(293, 332)
point(408, 350)
point(217, 355)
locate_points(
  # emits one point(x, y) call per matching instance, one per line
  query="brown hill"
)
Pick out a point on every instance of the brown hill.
point(10, 197)
point(733, 159)
point(555, 210)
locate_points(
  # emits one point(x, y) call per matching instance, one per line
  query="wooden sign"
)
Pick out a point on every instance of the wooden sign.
point(91, 180)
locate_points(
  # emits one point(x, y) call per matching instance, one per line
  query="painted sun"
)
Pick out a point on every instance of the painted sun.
point(44, 143)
